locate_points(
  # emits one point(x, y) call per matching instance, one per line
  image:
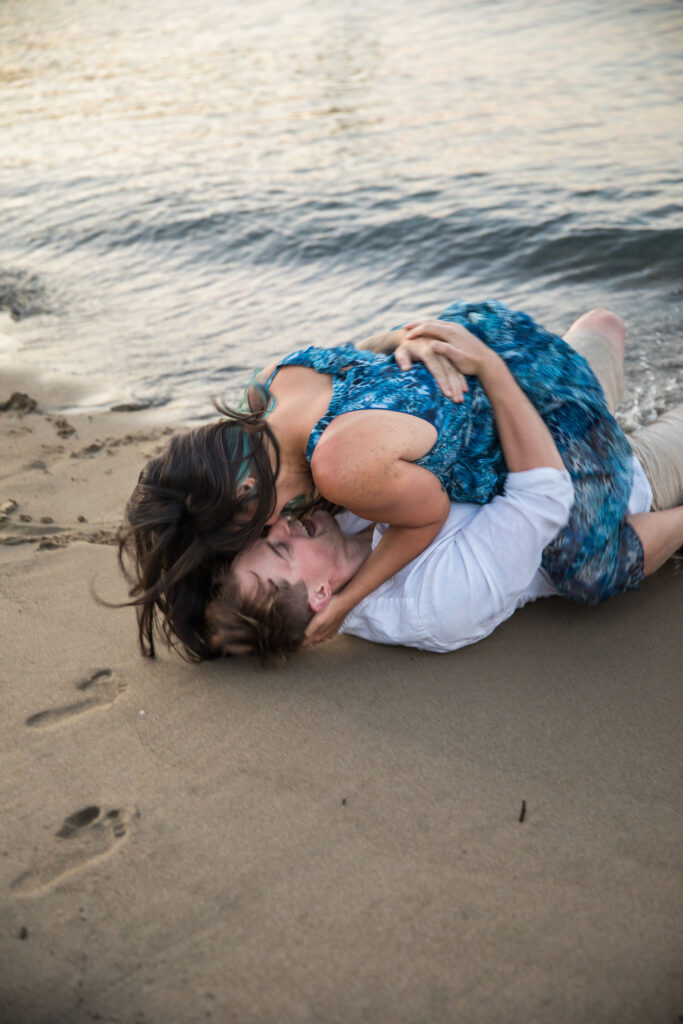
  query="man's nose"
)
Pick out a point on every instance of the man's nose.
point(278, 526)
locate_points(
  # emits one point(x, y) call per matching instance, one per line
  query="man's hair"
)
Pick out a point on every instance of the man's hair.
point(270, 624)
point(186, 516)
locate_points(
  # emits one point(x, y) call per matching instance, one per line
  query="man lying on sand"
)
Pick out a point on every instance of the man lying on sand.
point(485, 562)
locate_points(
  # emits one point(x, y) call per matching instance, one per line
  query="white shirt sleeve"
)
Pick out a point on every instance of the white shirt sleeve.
point(483, 565)
point(350, 523)
point(640, 499)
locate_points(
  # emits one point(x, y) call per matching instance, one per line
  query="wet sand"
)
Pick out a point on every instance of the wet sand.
point(369, 834)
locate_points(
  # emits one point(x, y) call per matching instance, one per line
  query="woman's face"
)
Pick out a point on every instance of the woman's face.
point(291, 483)
point(248, 506)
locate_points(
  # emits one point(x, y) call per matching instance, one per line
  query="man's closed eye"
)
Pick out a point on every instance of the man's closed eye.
point(280, 549)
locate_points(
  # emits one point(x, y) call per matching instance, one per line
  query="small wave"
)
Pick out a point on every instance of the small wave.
point(409, 240)
point(638, 255)
point(502, 245)
point(522, 231)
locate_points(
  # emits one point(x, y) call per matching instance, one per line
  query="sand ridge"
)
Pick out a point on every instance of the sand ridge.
point(42, 455)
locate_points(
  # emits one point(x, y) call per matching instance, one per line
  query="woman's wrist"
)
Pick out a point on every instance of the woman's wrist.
point(351, 595)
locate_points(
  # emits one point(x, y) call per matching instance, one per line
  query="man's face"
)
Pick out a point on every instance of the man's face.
point(310, 551)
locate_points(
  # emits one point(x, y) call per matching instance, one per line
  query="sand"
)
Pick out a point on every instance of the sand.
point(340, 840)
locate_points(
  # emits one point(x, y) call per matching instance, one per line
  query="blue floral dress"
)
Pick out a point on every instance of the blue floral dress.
point(597, 554)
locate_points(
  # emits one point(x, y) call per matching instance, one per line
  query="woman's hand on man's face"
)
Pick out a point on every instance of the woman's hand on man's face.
point(326, 624)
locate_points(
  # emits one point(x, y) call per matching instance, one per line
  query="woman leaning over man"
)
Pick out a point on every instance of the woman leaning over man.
point(388, 445)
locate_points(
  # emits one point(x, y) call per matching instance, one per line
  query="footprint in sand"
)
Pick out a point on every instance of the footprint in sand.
point(85, 837)
point(101, 690)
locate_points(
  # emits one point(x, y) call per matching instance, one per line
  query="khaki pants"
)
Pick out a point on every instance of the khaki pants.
point(659, 446)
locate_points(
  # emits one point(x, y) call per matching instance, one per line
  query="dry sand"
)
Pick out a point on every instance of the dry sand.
point(336, 841)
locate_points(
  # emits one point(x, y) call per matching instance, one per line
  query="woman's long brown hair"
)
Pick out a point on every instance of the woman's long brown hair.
point(185, 518)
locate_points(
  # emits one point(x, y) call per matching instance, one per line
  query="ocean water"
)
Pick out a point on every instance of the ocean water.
point(190, 190)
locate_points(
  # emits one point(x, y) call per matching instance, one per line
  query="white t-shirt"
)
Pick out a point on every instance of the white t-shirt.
point(482, 566)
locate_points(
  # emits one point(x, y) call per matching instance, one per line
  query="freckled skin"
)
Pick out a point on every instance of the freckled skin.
point(380, 482)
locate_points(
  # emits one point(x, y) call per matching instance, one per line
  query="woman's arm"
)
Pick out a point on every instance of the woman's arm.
point(398, 546)
point(411, 499)
point(378, 485)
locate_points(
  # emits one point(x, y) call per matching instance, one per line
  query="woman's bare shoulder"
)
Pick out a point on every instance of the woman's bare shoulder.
point(374, 481)
point(371, 435)
point(360, 453)
point(264, 375)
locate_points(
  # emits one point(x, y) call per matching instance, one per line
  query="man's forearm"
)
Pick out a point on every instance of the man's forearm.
point(386, 342)
point(524, 437)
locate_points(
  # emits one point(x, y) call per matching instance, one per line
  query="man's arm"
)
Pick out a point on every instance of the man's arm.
point(483, 565)
point(383, 488)
point(384, 343)
point(452, 383)
point(524, 437)
point(472, 578)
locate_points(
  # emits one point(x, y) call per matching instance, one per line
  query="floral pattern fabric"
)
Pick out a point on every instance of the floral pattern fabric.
point(597, 554)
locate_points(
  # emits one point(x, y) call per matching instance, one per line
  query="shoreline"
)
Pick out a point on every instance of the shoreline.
point(58, 483)
point(337, 840)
